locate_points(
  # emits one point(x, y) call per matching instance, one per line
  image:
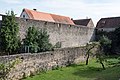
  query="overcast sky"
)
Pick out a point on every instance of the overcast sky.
point(76, 9)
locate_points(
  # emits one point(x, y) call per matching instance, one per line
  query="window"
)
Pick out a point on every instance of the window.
point(45, 23)
point(102, 30)
point(59, 25)
point(23, 16)
point(103, 21)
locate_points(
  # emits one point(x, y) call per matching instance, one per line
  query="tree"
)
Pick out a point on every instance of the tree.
point(43, 41)
point(116, 41)
point(105, 44)
point(100, 56)
point(89, 52)
point(31, 39)
point(9, 33)
point(37, 40)
point(99, 53)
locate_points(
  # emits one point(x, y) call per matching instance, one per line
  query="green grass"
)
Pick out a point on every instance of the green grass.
point(93, 71)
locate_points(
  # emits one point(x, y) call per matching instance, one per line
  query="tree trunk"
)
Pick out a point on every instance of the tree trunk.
point(102, 65)
point(87, 59)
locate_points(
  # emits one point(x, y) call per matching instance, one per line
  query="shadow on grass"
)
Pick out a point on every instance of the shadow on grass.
point(98, 73)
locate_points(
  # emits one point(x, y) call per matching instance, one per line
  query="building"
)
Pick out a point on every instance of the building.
point(59, 28)
point(36, 15)
point(84, 22)
point(108, 24)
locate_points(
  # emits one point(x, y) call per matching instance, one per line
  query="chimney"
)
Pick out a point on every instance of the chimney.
point(86, 17)
point(35, 9)
point(71, 18)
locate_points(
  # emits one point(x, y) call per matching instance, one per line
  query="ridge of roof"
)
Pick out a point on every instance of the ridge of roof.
point(48, 17)
point(109, 22)
point(82, 19)
point(111, 17)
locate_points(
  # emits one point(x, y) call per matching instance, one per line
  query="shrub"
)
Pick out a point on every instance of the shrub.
point(37, 40)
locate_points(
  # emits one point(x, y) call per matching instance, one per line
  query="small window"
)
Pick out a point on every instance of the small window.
point(59, 25)
point(103, 21)
point(45, 23)
point(102, 30)
point(23, 16)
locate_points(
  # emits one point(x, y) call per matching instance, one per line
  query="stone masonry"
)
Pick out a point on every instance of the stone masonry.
point(67, 35)
point(36, 62)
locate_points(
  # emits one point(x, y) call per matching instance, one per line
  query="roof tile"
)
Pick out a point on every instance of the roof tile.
point(111, 22)
point(48, 17)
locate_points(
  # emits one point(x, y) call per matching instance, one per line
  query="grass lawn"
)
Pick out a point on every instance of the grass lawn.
point(93, 71)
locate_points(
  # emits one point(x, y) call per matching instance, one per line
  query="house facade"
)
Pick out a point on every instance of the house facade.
point(59, 28)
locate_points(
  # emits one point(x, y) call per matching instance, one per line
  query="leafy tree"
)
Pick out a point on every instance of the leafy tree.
point(43, 41)
point(116, 41)
point(37, 40)
point(105, 44)
point(89, 48)
point(117, 36)
point(31, 39)
point(9, 33)
point(99, 53)
point(100, 56)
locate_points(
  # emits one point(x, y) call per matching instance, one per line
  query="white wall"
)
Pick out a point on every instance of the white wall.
point(24, 14)
point(107, 29)
point(0, 17)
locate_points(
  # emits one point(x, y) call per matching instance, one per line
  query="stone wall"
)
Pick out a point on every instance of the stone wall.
point(32, 63)
point(68, 35)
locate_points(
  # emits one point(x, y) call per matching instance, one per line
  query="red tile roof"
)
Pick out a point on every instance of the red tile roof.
point(48, 17)
point(110, 22)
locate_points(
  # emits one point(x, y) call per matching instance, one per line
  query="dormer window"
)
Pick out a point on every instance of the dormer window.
point(103, 21)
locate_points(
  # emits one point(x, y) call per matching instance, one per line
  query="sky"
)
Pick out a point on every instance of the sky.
point(76, 9)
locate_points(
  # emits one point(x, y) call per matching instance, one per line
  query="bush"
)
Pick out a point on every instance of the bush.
point(31, 39)
point(37, 40)
point(43, 41)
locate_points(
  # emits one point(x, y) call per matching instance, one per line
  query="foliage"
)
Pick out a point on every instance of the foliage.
point(117, 36)
point(105, 44)
point(89, 51)
point(6, 68)
point(114, 37)
point(43, 41)
point(101, 56)
point(31, 39)
point(99, 34)
point(37, 40)
point(116, 41)
point(9, 33)
point(99, 53)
